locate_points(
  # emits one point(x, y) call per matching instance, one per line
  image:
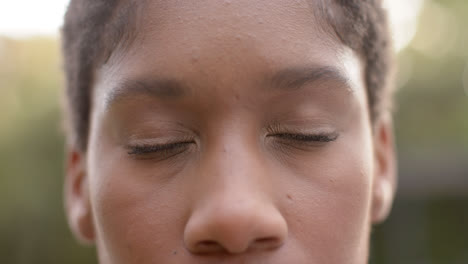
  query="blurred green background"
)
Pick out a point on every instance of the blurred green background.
point(429, 221)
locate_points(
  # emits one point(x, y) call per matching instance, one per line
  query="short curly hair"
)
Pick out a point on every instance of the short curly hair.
point(93, 29)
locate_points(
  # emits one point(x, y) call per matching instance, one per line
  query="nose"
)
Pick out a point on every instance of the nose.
point(233, 208)
point(234, 226)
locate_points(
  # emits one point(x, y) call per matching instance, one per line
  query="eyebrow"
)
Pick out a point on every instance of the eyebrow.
point(296, 78)
point(288, 79)
point(160, 88)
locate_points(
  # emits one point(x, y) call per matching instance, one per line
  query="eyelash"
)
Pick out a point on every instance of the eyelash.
point(278, 131)
point(167, 149)
point(320, 137)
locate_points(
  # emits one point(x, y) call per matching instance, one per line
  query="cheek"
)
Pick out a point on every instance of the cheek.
point(135, 211)
point(138, 212)
point(329, 201)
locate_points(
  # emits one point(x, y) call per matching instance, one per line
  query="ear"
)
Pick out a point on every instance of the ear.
point(385, 169)
point(77, 202)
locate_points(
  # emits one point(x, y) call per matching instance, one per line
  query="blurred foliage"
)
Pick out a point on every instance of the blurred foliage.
point(32, 222)
point(432, 101)
point(432, 118)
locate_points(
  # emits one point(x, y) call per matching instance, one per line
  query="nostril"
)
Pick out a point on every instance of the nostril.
point(208, 246)
point(208, 243)
point(267, 243)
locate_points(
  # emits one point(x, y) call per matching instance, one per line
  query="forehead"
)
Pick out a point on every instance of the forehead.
point(189, 26)
point(225, 41)
point(164, 13)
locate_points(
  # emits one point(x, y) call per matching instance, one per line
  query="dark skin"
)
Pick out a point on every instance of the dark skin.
point(231, 132)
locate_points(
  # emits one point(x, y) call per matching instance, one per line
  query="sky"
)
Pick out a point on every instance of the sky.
point(24, 18)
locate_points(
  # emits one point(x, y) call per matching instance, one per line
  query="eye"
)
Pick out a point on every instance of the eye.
point(158, 151)
point(301, 138)
point(320, 137)
point(303, 141)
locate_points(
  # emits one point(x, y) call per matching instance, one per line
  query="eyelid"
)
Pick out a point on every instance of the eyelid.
point(153, 148)
point(296, 130)
point(319, 137)
point(161, 152)
point(304, 136)
point(158, 147)
point(165, 138)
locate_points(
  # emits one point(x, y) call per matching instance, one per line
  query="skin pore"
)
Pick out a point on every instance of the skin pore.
point(231, 132)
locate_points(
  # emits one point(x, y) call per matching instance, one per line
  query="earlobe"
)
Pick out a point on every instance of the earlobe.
point(385, 169)
point(77, 202)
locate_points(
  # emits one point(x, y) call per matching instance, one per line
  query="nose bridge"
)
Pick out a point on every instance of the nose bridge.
point(232, 154)
point(233, 171)
point(234, 210)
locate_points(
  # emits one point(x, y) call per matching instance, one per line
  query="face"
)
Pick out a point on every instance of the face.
point(233, 132)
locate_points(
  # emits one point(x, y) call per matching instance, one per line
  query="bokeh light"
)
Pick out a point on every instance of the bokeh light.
point(23, 18)
point(440, 32)
point(403, 16)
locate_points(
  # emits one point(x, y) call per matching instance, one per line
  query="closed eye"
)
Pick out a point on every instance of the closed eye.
point(301, 141)
point(158, 151)
point(321, 137)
